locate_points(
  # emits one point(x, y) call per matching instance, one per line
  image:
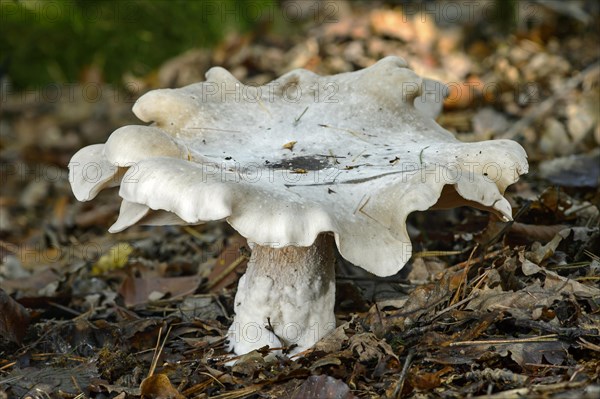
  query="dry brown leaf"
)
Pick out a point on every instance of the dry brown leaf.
point(539, 252)
point(581, 235)
point(392, 23)
point(14, 318)
point(32, 285)
point(425, 270)
point(323, 387)
point(249, 363)
point(230, 254)
point(136, 290)
point(334, 341)
point(368, 347)
point(574, 170)
point(477, 328)
point(527, 233)
point(423, 299)
point(463, 94)
point(520, 302)
point(557, 283)
point(424, 381)
point(33, 382)
point(158, 386)
point(531, 353)
point(326, 361)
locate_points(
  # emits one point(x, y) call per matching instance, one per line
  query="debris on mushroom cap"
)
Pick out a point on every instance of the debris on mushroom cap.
point(220, 150)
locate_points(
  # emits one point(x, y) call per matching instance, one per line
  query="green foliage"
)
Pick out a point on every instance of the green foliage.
point(505, 15)
point(45, 41)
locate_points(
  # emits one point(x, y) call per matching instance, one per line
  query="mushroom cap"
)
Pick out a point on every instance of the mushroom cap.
point(349, 154)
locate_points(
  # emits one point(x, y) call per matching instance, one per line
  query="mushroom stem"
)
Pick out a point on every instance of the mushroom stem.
point(285, 298)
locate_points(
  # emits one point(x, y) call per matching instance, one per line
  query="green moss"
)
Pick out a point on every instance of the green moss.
point(46, 41)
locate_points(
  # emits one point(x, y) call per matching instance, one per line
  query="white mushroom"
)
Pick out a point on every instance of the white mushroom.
point(298, 166)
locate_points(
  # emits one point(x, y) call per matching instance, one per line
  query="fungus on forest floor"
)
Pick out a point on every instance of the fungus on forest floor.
point(366, 153)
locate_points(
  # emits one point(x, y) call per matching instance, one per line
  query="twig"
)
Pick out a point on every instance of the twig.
point(11, 379)
point(433, 254)
point(358, 156)
point(403, 374)
point(75, 384)
point(269, 327)
point(463, 281)
point(474, 294)
point(539, 389)
point(213, 377)
point(361, 207)
point(416, 331)
point(228, 270)
point(220, 305)
point(192, 232)
point(154, 357)
point(589, 345)
point(352, 132)
point(195, 389)
point(65, 308)
point(567, 332)
point(7, 365)
point(554, 366)
point(421, 155)
point(297, 119)
point(543, 338)
point(592, 255)
point(158, 351)
point(240, 393)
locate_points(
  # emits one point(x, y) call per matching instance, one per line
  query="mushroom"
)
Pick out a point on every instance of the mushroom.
point(298, 166)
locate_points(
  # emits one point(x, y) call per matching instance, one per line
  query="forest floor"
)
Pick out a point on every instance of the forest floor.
point(485, 309)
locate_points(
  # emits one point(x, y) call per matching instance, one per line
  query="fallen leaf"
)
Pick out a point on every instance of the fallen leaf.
point(557, 283)
point(555, 352)
point(522, 233)
point(582, 170)
point(115, 258)
point(540, 252)
point(158, 386)
point(392, 23)
point(424, 381)
point(14, 318)
point(334, 341)
point(425, 270)
point(331, 360)
point(368, 347)
point(520, 302)
point(249, 363)
point(229, 265)
point(423, 299)
point(31, 382)
point(136, 291)
point(323, 387)
point(34, 284)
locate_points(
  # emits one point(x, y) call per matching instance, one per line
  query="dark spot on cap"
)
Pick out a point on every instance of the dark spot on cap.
point(303, 162)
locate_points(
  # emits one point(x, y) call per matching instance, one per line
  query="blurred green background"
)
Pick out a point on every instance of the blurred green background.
point(45, 41)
